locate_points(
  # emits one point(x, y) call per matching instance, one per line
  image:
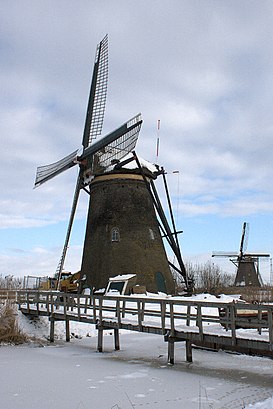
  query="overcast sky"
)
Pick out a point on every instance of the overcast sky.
point(203, 67)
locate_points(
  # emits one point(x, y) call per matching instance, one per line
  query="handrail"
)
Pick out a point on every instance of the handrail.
point(172, 314)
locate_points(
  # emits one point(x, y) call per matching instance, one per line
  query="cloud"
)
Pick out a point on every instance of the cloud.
point(203, 69)
point(38, 261)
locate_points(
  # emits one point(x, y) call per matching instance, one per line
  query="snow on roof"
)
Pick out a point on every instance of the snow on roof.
point(122, 277)
point(133, 165)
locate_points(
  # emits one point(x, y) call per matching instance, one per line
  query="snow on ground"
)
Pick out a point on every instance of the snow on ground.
point(75, 376)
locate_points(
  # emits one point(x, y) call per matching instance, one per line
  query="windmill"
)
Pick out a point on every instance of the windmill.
point(247, 264)
point(122, 233)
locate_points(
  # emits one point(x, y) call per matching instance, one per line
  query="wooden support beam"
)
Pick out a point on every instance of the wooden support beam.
point(188, 351)
point(67, 330)
point(116, 338)
point(51, 335)
point(170, 352)
point(100, 339)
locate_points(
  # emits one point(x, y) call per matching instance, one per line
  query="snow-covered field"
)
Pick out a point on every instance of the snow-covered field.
point(75, 376)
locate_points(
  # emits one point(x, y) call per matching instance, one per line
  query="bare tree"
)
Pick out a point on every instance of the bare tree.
point(209, 277)
point(10, 282)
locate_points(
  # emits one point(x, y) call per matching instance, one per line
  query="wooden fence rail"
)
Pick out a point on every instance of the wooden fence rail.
point(7, 295)
point(234, 326)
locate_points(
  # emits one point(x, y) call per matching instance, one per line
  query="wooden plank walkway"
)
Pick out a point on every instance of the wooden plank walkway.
point(177, 319)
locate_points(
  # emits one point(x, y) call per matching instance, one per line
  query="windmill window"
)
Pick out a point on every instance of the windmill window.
point(115, 234)
point(152, 235)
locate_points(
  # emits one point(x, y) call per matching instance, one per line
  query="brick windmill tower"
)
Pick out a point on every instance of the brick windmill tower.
point(122, 231)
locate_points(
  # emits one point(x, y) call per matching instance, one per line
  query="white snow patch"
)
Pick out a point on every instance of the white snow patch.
point(266, 404)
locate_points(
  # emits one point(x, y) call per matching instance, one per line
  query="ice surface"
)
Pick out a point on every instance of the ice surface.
point(75, 376)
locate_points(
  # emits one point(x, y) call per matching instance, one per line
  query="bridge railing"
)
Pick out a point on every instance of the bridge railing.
point(7, 295)
point(173, 314)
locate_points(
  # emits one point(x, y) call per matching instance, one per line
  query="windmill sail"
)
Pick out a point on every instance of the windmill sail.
point(97, 96)
point(95, 157)
point(94, 115)
point(92, 129)
point(69, 228)
point(114, 146)
point(47, 172)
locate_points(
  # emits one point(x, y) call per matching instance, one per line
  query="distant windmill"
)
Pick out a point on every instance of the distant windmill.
point(122, 233)
point(247, 264)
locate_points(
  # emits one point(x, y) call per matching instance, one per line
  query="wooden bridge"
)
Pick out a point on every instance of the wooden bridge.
point(240, 327)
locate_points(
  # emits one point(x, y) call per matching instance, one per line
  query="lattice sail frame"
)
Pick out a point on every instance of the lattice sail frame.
point(99, 155)
point(97, 96)
point(47, 172)
point(119, 148)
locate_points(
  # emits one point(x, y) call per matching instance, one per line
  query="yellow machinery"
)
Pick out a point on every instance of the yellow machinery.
point(70, 282)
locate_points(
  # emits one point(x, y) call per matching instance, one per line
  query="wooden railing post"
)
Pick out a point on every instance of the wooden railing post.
point(79, 306)
point(47, 303)
point(270, 327)
point(94, 305)
point(163, 315)
point(260, 316)
point(118, 312)
point(188, 321)
point(28, 306)
point(51, 304)
point(100, 309)
point(233, 322)
point(199, 321)
point(65, 306)
point(37, 301)
point(85, 304)
point(172, 319)
point(139, 315)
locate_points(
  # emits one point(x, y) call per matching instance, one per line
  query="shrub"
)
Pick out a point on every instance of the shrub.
point(10, 332)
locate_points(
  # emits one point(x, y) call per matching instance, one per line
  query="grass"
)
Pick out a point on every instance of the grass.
point(10, 332)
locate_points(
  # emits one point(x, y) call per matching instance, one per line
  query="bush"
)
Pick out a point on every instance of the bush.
point(9, 329)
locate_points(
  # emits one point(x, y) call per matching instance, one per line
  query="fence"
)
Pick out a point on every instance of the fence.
point(237, 326)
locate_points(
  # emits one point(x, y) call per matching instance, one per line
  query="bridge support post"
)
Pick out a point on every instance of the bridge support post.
point(171, 352)
point(51, 335)
point(100, 339)
point(116, 339)
point(67, 330)
point(188, 351)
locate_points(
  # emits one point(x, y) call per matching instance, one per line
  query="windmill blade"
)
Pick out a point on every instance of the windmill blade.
point(256, 255)
point(47, 172)
point(94, 116)
point(242, 244)
point(113, 146)
point(97, 95)
point(224, 254)
point(69, 228)
point(246, 237)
